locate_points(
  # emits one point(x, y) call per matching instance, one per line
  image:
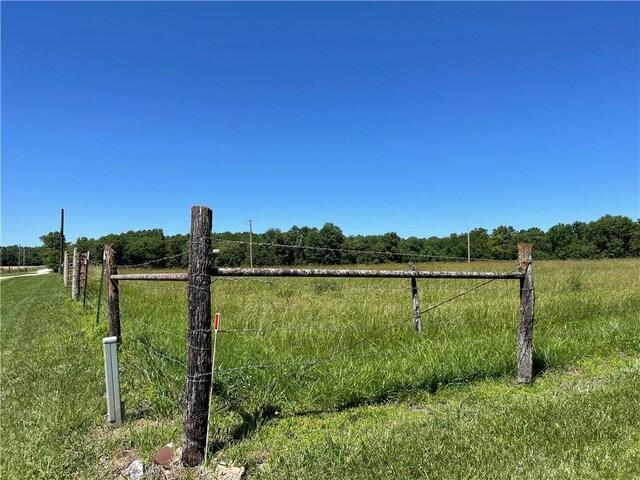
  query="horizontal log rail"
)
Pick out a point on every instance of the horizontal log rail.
point(161, 277)
point(317, 272)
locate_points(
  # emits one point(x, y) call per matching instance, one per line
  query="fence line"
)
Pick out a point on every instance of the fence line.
point(199, 277)
point(186, 252)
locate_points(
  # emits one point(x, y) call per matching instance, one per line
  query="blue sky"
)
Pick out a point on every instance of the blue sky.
point(418, 118)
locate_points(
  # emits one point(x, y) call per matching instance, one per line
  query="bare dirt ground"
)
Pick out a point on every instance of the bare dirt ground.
point(42, 271)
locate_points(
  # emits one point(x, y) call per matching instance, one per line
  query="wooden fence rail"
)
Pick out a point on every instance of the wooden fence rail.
point(319, 272)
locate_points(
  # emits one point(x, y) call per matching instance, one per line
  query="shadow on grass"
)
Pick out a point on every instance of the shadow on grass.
point(540, 363)
point(252, 420)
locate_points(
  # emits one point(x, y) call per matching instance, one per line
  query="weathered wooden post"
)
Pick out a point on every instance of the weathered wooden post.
point(75, 278)
point(198, 383)
point(113, 292)
point(417, 322)
point(65, 269)
point(527, 303)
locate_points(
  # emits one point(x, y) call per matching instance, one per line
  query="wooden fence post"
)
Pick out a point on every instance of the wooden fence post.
point(417, 321)
point(113, 292)
point(65, 269)
point(75, 278)
point(527, 303)
point(196, 412)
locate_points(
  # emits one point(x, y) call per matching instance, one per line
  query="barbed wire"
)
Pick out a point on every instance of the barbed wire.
point(153, 351)
point(383, 354)
point(349, 250)
point(154, 327)
point(457, 296)
point(542, 316)
point(348, 286)
point(306, 366)
point(154, 261)
point(586, 290)
point(311, 329)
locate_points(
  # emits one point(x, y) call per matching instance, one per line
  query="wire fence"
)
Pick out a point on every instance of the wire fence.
point(343, 346)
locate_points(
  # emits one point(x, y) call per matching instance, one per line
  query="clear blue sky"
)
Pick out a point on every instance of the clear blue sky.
point(419, 118)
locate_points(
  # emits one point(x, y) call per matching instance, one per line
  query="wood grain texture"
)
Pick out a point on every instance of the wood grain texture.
point(196, 413)
point(113, 292)
point(527, 304)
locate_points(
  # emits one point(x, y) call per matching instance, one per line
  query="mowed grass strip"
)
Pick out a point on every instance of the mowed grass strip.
point(51, 382)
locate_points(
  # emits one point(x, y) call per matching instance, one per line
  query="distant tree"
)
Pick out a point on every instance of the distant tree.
point(479, 239)
point(330, 238)
point(456, 246)
point(310, 245)
point(410, 249)
point(177, 246)
point(503, 243)
point(232, 255)
point(538, 239)
point(145, 246)
point(297, 253)
point(611, 236)
point(634, 240)
point(51, 249)
point(560, 238)
point(268, 250)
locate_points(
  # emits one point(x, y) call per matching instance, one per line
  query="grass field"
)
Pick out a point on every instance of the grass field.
point(381, 400)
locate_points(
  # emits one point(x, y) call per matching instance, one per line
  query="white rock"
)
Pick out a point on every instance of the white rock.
point(204, 473)
point(229, 473)
point(135, 470)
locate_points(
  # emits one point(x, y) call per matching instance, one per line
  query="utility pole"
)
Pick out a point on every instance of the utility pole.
point(251, 243)
point(468, 247)
point(61, 241)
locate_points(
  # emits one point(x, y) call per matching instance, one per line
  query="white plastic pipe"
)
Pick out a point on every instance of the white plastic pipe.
point(114, 408)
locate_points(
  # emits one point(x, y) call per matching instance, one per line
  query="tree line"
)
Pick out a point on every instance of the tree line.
point(608, 237)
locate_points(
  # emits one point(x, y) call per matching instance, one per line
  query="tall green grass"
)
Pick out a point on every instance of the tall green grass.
point(295, 346)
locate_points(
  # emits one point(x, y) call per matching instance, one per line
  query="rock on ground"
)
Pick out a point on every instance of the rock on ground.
point(224, 472)
point(135, 471)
